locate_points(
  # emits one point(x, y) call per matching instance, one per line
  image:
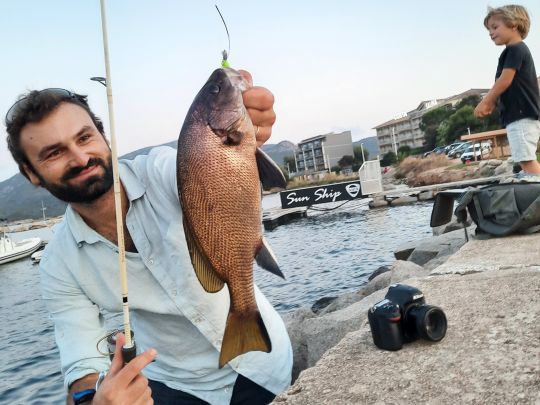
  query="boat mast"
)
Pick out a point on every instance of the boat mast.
point(43, 208)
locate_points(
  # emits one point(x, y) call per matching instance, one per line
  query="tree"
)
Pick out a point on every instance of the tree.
point(447, 124)
point(470, 100)
point(345, 161)
point(389, 158)
point(403, 152)
point(430, 123)
point(358, 155)
point(463, 120)
point(290, 163)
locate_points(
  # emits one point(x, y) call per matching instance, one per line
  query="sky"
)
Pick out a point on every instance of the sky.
point(331, 65)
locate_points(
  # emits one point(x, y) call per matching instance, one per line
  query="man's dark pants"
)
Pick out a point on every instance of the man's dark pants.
point(245, 392)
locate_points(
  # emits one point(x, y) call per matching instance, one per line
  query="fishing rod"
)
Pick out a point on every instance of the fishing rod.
point(129, 351)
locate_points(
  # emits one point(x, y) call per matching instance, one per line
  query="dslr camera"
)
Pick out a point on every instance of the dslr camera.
point(403, 316)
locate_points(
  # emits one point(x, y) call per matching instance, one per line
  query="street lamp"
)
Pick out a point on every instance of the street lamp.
point(394, 141)
point(101, 80)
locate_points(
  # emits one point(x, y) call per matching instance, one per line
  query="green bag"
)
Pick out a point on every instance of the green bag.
point(499, 210)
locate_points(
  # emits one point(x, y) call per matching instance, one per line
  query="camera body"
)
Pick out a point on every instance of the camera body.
point(403, 316)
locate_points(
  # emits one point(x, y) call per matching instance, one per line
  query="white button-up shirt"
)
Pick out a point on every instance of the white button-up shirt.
point(169, 309)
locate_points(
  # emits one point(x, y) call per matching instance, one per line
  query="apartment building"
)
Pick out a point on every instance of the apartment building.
point(320, 153)
point(405, 130)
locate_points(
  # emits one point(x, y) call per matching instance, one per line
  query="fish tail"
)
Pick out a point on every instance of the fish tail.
point(243, 333)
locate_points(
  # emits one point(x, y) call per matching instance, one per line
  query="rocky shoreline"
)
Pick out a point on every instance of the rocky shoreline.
point(314, 330)
point(489, 291)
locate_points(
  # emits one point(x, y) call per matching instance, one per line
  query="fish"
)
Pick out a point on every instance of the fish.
point(220, 171)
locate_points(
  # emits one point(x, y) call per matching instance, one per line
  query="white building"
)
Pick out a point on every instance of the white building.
point(322, 152)
point(406, 130)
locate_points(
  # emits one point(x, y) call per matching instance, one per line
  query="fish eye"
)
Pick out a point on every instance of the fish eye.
point(214, 88)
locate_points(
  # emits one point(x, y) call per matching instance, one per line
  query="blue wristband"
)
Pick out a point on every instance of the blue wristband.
point(83, 396)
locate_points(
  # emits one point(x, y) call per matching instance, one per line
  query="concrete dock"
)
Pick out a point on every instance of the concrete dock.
point(399, 192)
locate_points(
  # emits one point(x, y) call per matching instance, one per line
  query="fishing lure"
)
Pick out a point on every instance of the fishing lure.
point(225, 54)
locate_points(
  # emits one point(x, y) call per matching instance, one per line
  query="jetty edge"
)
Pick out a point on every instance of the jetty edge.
point(489, 291)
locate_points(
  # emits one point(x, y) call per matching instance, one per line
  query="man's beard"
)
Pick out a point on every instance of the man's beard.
point(89, 190)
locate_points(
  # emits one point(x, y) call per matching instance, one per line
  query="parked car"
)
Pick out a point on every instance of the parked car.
point(448, 148)
point(481, 152)
point(438, 150)
point(457, 151)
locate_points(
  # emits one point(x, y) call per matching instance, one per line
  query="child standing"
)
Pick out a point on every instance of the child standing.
point(516, 87)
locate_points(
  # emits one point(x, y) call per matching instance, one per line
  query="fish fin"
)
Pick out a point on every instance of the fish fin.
point(269, 172)
point(267, 260)
point(243, 333)
point(204, 270)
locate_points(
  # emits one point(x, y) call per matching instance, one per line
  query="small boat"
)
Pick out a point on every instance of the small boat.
point(10, 250)
point(36, 256)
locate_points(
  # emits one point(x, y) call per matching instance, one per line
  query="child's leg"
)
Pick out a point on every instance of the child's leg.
point(523, 138)
point(532, 166)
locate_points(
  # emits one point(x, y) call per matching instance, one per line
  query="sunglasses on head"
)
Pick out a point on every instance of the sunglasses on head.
point(19, 104)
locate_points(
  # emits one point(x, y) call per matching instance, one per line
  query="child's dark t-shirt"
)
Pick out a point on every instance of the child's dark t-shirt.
point(521, 99)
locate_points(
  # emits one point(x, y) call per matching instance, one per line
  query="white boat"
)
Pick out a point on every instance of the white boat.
point(10, 250)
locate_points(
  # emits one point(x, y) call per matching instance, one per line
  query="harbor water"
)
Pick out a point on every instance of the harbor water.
point(326, 254)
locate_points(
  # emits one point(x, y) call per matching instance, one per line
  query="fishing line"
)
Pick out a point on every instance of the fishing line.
point(352, 204)
point(225, 54)
point(327, 209)
point(129, 350)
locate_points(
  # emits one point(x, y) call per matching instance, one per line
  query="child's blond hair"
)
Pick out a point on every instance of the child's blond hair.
point(513, 16)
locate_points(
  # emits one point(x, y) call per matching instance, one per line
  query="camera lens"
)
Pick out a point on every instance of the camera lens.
point(429, 322)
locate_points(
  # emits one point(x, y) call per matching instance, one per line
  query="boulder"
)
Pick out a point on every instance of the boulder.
point(379, 279)
point(378, 283)
point(505, 167)
point(402, 270)
point(482, 163)
point(322, 303)
point(403, 251)
point(294, 324)
point(406, 199)
point(453, 225)
point(426, 195)
point(324, 332)
point(494, 162)
point(486, 171)
point(343, 301)
point(442, 245)
point(380, 270)
point(378, 202)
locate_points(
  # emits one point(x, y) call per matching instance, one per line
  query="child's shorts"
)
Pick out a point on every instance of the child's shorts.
point(523, 137)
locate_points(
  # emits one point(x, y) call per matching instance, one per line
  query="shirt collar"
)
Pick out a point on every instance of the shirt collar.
point(81, 231)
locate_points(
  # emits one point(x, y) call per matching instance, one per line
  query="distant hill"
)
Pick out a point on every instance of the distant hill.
point(19, 199)
point(370, 144)
point(278, 151)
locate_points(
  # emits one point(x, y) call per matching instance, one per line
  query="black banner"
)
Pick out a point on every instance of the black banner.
point(303, 197)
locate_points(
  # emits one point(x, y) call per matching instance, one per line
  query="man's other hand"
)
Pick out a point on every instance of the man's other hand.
point(126, 385)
